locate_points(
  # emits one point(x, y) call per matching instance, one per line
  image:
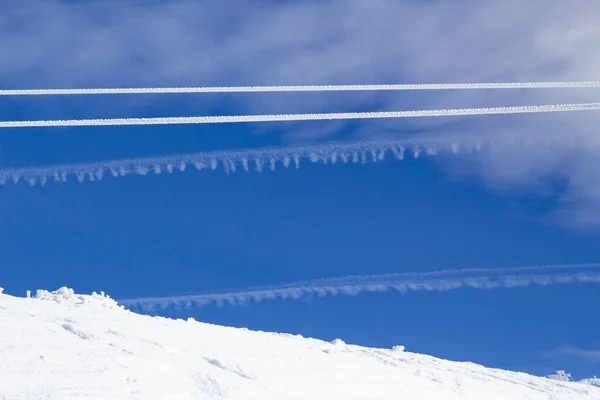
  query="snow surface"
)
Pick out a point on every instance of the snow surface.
point(591, 381)
point(60, 345)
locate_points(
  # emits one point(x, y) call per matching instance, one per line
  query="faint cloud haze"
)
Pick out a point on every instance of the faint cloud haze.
point(309, 42)
point(587, 355)
point(55, 44)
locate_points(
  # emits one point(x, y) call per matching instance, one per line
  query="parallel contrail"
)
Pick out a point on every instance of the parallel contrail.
point(259, 159)
point(302, 117)
point(440, 281)
point(300, 88)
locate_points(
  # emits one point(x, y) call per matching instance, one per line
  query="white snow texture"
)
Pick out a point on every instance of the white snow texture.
point(60, 345)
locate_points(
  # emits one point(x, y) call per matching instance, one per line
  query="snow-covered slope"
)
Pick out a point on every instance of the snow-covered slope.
point(591, 381)
point(66, 346)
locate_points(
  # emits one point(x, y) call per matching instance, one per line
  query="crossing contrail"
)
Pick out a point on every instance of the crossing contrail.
point(222, 119)
point(299, 88)
point(439, 281)
point(259, 159)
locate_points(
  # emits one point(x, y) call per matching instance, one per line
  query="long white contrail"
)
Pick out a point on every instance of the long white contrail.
point(440, 281)
point(299, 88)
point(259, 159)
point(223, 119)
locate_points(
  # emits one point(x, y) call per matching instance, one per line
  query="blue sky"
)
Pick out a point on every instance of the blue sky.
point(204, 231)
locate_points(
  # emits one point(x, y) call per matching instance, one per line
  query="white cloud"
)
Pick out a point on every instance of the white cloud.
point(435, 281)
point(298, 42)
point(588, 355)
point(49, 43)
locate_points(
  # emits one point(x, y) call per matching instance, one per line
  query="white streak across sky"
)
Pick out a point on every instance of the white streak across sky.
point(259, 159)
point(436, 281)
point(225, 119)
point(299, 88)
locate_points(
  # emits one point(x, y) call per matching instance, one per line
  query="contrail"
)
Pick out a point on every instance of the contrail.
point(223, 119)
point(439, 281)
point(299, 88)
point(259, 159)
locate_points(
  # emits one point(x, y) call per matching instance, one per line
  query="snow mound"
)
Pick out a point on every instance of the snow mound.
point(65, 295)
point(61, 345)
point(591, 381)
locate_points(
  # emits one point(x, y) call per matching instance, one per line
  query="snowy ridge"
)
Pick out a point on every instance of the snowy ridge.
point(66, 295)
point(591, 381)
point(258, 159)
point(229, 119)
point(67, 346)
point(299, 88)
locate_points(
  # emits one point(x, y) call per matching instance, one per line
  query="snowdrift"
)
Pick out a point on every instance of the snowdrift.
point(60, 345)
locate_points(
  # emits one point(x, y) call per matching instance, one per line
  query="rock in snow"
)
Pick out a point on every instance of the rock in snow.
point(60, 345)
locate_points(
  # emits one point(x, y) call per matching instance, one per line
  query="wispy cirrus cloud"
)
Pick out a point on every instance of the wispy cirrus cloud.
point(435, 281)
point(51, 43)
point(335, 41)
point(587, 355)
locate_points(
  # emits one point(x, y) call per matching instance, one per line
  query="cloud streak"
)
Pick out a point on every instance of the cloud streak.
point(298, 88)
point(259, 159)
point(225, 119)
point(436, 281)
point(53, 43)
point(588, 355)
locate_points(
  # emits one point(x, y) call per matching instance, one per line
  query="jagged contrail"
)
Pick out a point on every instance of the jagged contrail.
point(299, 88)
point(270, 157)
point(225, 119)
point(440, 281)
